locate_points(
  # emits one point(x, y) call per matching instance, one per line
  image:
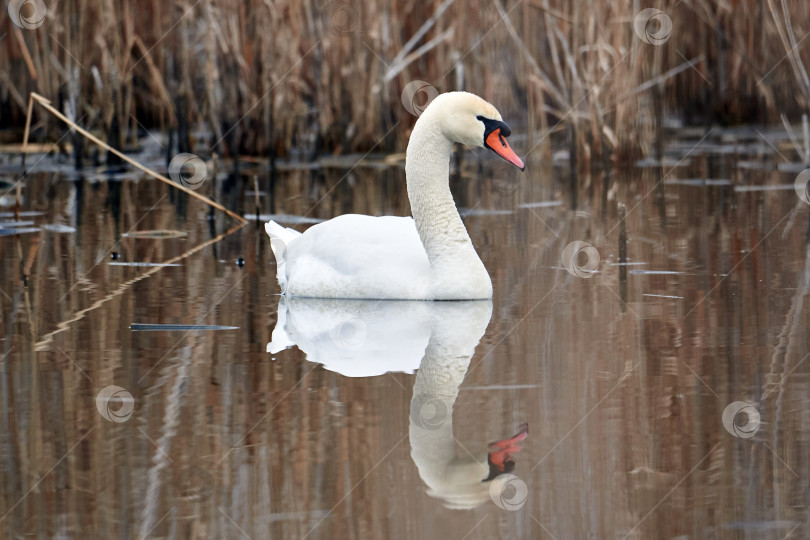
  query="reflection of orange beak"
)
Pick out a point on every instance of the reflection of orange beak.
point(497, 143)
point(501, 453)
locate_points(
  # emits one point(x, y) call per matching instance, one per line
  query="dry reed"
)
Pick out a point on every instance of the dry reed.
point(298, 79)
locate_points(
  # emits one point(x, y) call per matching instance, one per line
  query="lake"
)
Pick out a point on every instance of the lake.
point(658, 360)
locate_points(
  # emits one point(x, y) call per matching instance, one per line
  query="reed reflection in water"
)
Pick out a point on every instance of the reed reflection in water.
point(622, 372)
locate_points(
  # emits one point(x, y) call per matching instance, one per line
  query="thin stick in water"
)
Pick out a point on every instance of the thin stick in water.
point(47, 105)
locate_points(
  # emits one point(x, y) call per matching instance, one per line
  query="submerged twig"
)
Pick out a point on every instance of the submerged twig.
point(47, 105)
point(43, 343)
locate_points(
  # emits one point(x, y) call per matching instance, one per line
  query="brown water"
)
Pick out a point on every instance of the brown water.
point(621, 377)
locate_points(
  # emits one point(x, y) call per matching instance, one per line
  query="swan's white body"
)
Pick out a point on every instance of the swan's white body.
point(429, 257)
point(356, 256)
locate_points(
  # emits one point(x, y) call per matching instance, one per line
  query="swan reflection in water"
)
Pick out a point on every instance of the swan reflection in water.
point(363, 338)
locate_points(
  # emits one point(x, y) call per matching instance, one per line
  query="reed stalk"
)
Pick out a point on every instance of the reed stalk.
point(296, 79)
point(46, 104)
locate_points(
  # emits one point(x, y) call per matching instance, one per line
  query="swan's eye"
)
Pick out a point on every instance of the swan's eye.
point(491, 125)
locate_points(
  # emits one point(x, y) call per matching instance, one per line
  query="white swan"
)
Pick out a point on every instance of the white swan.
point(427, 257)
point(359, 338)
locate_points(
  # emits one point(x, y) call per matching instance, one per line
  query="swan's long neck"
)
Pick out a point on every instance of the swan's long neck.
point(427, 170)
point(456, 329)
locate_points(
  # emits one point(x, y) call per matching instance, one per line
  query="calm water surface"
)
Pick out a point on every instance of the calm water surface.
point(340, 419)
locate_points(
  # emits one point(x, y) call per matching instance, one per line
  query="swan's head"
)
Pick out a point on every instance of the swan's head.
point(470, 120)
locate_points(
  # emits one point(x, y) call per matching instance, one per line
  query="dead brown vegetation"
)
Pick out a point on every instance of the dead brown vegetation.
point(297, 79)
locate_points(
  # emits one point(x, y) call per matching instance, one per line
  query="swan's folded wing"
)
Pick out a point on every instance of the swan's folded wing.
point(355, 256)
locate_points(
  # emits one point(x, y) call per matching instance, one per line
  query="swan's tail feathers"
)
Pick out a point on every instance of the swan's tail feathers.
point(281, 340)
point(284, 234)
point(280, 237)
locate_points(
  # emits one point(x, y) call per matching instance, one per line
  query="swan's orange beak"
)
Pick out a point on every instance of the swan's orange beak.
point(497, 143)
